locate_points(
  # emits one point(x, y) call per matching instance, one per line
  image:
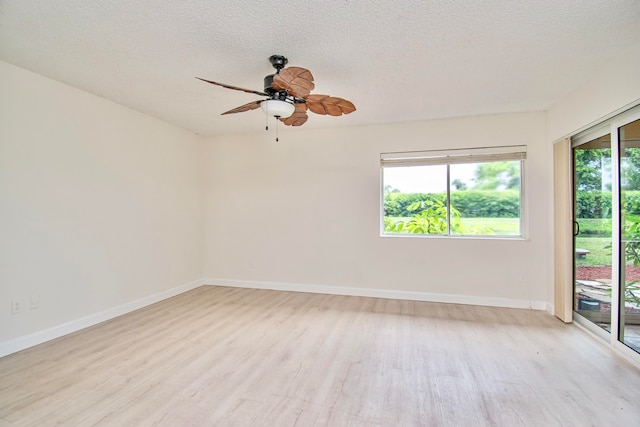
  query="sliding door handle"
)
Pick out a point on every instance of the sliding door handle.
point(576, 228)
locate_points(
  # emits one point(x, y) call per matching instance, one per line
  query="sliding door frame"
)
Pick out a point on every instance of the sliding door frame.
point(610, 126)
point(616, 123)
point(576, 141)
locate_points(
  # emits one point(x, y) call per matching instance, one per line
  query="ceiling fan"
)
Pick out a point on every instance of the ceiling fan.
point(288, 95)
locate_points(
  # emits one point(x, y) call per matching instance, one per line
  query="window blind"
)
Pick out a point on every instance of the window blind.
point(444, 157)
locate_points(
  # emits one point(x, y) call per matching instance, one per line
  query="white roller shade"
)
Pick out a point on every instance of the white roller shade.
point(440, 157)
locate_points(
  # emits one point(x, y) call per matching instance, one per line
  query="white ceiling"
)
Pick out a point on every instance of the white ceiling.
point(396, 60)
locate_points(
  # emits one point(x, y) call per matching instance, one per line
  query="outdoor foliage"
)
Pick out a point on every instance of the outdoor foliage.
point(497, 175)
point(632, 293)
point(430, 217)
point(469, 203)
point(397, 204)
point(632, 254)
point(593, 204)
point(589, 166)
point(487, 204)
point(597, 204)
point(630, 168)
point(632, 238)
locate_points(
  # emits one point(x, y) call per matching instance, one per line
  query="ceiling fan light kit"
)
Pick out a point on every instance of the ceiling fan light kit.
point(277, 108)
point(288, 95)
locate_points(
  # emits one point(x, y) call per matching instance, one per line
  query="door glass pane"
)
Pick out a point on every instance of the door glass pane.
point(593, 234)
point(630, 234)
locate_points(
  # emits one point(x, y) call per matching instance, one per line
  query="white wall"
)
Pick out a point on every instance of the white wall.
point(305, 211)
point(99, 205)
point(615, 86)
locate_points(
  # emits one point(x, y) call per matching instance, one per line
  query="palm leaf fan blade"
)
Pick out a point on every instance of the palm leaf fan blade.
point(299, 116)
point(329, 105)
point(226, 86)
point(295, 80)
point(246, 107)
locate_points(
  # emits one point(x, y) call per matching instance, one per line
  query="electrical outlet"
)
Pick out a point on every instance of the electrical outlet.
point(16, 306)
point(34, 302)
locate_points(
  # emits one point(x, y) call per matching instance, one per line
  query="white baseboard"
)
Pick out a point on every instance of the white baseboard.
point(21, 343)
point(551, 309)
point(381, 293)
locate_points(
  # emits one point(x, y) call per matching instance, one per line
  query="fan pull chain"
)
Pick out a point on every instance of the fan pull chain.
point(266, 119)
point(266, 127)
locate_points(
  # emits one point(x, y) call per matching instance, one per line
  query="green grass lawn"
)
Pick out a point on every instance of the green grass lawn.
point(600, 248)
point(595, 236)
point(500, 226)
point(595, 227)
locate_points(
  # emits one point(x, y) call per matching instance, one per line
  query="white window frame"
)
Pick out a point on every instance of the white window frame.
point(451, 157)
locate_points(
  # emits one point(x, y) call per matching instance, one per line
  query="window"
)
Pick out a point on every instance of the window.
point(471, 192)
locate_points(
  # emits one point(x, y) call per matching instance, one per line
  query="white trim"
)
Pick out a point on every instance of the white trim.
point(21, 343)
point(381, 293)
point(628, 353)
point(459, 156)
point(589, 135)
point(550, 308)
point(599, 121)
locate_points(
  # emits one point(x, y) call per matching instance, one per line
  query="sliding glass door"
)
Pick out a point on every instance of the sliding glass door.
point(592, 230)
point(606, 171)
point(629, 301)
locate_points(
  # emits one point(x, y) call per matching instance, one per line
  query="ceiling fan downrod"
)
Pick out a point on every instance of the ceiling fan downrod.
point(278, 62)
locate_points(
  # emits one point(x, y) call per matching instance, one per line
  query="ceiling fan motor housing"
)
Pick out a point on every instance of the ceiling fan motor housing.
point(268, 81)
point(274, 93)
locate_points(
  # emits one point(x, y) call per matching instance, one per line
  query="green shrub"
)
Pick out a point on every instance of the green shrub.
point(470, 204)
point(430, 217)
point(597, 204)
point(487, 204)
point(397, 204)
point(593, 204)
point(506, 204)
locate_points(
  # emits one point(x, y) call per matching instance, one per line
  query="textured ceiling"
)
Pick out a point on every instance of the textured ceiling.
point(396, 60)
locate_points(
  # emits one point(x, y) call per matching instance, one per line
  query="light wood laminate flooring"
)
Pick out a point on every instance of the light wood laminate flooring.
point(242, 357)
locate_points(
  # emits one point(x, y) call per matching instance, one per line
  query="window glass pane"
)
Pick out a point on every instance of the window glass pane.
point(474, 192)
point(485, 198)
point(415, 199)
